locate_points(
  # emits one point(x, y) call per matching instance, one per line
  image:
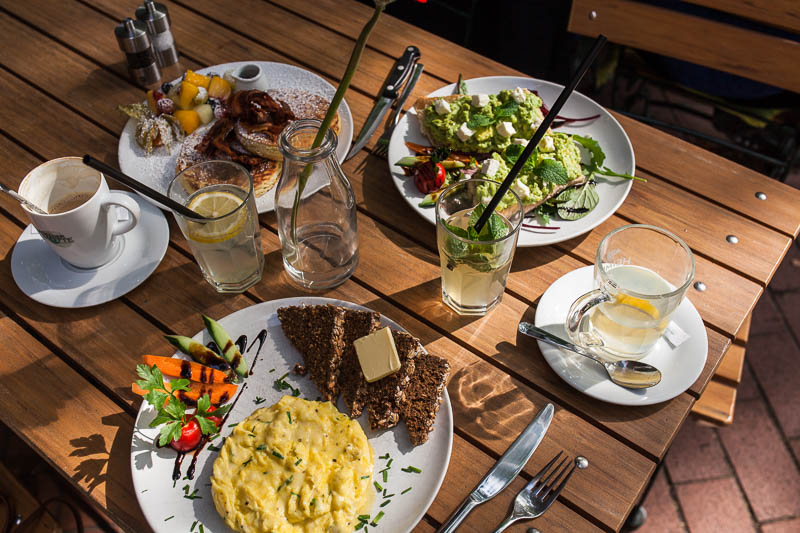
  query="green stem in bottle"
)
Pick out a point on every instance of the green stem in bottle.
point(355, 57)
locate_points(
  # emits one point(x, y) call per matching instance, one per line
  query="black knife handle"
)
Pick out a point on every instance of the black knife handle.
point(400, 71)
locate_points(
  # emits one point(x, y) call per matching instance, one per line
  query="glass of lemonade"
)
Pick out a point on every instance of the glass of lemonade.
point(642, 274)
point(228, 246)
point(475, 266)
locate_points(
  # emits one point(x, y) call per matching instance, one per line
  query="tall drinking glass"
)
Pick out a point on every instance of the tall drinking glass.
point(228, 246)
point(475, 267)
point(642, 274)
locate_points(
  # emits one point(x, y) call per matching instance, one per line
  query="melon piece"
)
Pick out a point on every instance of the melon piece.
point(186, 97)
point(189, 120)
point(197, 79)
point(205, 112)
point(219, 89)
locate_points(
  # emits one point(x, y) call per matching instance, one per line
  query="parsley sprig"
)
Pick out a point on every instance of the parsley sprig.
point(170, 410)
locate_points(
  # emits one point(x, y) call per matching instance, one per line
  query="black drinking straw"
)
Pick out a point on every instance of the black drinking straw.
point(539, 133)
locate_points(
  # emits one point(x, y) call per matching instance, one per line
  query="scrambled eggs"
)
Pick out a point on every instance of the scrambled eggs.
point(297, 466)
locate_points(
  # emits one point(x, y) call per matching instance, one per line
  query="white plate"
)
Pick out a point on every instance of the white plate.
point(46, 278)
point(613, 140)
point(152, 467)
point(158, 169)
point(680, 367)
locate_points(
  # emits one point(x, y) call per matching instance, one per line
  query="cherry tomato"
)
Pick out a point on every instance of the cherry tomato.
point(216, 419)
point(190, 437)
point(441, 175)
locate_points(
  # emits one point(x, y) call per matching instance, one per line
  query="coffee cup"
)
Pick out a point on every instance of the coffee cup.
point(82, 221)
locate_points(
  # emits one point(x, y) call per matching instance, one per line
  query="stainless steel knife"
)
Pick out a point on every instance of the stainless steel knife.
point(504, 470)
point(391, 86)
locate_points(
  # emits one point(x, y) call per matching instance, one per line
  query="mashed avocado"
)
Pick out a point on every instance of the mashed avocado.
point(502, 107)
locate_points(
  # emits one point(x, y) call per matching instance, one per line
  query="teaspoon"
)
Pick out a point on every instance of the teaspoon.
point(626, 373)
point(21, 199)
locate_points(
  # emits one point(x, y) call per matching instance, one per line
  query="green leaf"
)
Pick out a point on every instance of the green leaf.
point(507, 110)
point(552, 171)
point(461, 232)
point(475, 215)
point(567, 195)
point(598, 156)
point(151, 377)
point(497, 227)
point(462, 85)
point(169, 432)
point(543, 215)
point(581, 204)
point(179, 384)
point(156, 398)
point(203, 404)
point(512, 153)
point(605, 171)
point(222, 410)
point(478, 121)
point(160, 419)
point(206, 426)
point(175, 409)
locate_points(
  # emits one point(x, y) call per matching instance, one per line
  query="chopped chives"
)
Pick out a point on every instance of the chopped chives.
point(384, 456)
point(169, 518)
point(387, 496)
point(194, 524)
point(377, 519)
point(271, 370)
point(289, 416)
point(202, 529)
point(413, 469)
point(277, 454)
point(385, 476)
point(360, 525)
point(384, 493)
point(377, 486)
point(387, 502)
point(389, 464)
point(313, 501)
point(298, 462)
point(259, 400)
point(214, 448)
point(233, 425)
point(363, 517)
point(408, 489)
point(261, 447)
point(364, 477)
point(246, 462)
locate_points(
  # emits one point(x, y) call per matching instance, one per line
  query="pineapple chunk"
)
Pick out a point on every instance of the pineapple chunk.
point(186, 97)
point(205, 112)
point(219, 89)
point(197, 79)
point(189, 120)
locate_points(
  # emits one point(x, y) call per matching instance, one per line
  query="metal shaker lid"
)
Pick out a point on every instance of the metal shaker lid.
point(132, 36)
point(155, 15)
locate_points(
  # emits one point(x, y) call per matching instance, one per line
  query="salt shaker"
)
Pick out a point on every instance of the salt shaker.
point(156, 17)
point(134, 41)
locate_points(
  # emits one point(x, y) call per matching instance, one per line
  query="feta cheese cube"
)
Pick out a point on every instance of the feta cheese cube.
point(547, 144)
point(535, 123)
point(489, 167)
point(519, 95)
point(464, 133)
point(480, 100)
point(486, 200)
point(506, 129)
point(441, 106)
point(523, 142)
point(521, 189)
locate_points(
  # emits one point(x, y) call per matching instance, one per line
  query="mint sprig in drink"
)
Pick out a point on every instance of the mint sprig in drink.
point(475, 265)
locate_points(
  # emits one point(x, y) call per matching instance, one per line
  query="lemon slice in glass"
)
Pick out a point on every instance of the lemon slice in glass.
point(216, 204)
point(638, 303)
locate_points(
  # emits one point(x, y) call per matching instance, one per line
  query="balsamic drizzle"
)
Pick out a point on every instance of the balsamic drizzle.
point(261, 337)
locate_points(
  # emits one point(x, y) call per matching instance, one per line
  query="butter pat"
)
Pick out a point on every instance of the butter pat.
point(377, 355)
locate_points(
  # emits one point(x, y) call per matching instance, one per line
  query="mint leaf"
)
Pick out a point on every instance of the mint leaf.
point(512, 153)
point(475, 215)
point(497, 227)
point(552, 171)
point(457, 231)
point(598, 156)
point(579, 206)
point(462, 86)
point(478, 121)
point(507, 110)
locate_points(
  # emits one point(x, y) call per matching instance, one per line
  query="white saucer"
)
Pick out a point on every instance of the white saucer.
point(46, 278)
point(680, 367)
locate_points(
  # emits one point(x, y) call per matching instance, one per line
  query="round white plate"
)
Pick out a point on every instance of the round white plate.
point(680, 367)
point(158, 169)
point(606, 130)
point(46, 278)
point(152, 467)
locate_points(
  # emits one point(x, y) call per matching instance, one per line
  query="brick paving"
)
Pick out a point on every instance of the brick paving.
point(744, 477)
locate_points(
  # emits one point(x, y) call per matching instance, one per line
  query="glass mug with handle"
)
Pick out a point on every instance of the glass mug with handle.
point(642, 274)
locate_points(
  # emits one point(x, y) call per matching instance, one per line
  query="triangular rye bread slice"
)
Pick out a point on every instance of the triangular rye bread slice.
point(386, 395)
point(424, 395)
point(352, 384)
point(317, 331)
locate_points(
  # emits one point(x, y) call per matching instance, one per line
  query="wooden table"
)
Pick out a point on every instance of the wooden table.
point(66, 374)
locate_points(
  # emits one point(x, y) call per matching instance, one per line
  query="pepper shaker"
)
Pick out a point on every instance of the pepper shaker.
point(156, 17)
point(134, 41)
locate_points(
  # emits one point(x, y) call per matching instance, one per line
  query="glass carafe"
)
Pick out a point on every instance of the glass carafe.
point(316, 210)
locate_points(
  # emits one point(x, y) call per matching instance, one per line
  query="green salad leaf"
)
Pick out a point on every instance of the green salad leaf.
point(462, 86)
point(580, 203)
point(598, 156)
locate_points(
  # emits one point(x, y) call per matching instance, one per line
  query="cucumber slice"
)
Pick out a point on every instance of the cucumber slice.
point(195, 350)
point(430, 199)
point(226, 345)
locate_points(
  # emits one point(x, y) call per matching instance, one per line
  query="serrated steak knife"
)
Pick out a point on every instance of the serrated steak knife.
point(504, 470)
point(391, 87)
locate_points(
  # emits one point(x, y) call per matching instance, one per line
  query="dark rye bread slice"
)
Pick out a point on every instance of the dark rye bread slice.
point(352, 384)
point(317, 331)
point(424, 395)
point(385, 396)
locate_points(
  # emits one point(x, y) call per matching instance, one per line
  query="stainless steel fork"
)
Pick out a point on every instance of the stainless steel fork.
point(537, 496)
point(382, 146)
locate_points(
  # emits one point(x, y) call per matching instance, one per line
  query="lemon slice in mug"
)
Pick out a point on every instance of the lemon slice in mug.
point(215, 204)
point(638, 303)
